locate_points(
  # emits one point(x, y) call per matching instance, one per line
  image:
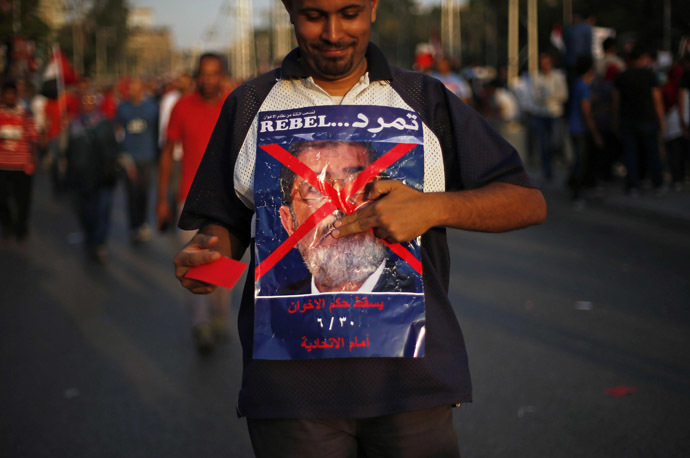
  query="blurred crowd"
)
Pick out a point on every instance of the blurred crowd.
point(621, 119)
point(87, 138)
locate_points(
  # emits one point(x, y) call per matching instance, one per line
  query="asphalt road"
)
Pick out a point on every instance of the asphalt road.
point(98, 361)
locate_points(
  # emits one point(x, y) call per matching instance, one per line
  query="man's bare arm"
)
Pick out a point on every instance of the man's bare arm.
point(164, 170)
point(586, 106)
point(681, 110)
point(615, 122)
point(208, 245)
point(659, 109)
point(400, 213)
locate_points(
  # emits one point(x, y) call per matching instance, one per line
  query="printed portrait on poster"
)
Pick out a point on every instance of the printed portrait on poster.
point(317, 296)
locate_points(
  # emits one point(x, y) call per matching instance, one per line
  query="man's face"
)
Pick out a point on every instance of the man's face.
point(136, 90)
point(645, 61)
point(183, 83)
point(545, 63)
point(89, 102)
point(443, 66)
point(331, 261)
point(9, 98)
point(83, 86)
point(209, 78)
point(333, 35)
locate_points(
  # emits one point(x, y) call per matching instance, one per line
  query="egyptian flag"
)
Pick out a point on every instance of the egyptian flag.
point(58, 74)
point(557, 38)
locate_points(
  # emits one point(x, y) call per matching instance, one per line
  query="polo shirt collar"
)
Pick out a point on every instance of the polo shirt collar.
point(377, 65)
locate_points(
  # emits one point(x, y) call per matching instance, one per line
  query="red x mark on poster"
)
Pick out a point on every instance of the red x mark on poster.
point(336, 200)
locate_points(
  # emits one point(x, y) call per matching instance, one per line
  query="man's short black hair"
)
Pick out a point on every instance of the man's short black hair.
point(609, 43)
point(211, 55)
point(584, 64)
point(287, 176)
point(640, 50)
point(9, 85)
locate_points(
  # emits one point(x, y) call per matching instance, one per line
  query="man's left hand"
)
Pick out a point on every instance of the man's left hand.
point(396, 213)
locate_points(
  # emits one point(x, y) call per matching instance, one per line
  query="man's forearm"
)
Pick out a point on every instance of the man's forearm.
point(399, 213)
point(682, 108)
point(164, 171)
point(615, 110)
point(659, 108)
point(496, 207)
point(589, 119)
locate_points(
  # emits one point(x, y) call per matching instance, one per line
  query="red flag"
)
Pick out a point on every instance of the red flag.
point(59, 67)
point(557, 37)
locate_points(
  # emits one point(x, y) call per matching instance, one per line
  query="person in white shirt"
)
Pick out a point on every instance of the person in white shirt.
point(550, 92)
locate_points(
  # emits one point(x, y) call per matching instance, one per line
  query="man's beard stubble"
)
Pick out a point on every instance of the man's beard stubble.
point(336, 67)
point(350, 260)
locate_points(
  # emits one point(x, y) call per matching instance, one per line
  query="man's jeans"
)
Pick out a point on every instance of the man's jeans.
point(15, 202)
point(544, 130)
point(94, 215)
point(641, 147)
point(138, 188)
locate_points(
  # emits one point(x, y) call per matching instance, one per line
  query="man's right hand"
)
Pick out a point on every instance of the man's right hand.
point(200, 250)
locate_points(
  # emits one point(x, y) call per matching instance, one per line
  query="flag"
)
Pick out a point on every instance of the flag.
point(57, 74)
point(557, 37)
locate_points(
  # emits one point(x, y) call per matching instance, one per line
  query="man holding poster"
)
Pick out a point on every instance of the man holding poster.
point(339, 171)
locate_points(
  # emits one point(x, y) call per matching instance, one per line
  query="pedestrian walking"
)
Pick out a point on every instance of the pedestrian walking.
point(640, 118)
point(92, 171)
point(675, 143)
point(18, 142)
point(137, 123)
point(182, 85)
point(191, 123)
point(587, 141)
point(550, 92)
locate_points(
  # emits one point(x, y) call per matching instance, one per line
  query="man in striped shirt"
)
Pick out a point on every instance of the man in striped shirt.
point(18, 138)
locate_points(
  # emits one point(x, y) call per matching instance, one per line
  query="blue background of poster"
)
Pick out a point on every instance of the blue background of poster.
point(397, 329)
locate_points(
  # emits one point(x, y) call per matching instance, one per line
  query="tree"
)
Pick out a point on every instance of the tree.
point(642, 19)
point(96, 28)
point(109, 19)
point(30, 25)
point(399, 27)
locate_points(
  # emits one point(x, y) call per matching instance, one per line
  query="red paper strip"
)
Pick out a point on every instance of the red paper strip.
point(620, 391)
point(224, 272)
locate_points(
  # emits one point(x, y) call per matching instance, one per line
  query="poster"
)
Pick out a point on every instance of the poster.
point(317, 296)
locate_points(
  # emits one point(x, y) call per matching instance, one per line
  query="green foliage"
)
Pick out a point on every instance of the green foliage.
point(104, 24)
point(31, 26)
point(399, 27)
point(641, 19)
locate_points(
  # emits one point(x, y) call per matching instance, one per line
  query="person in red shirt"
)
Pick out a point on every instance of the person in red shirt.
point(109, 103)
point(191, 124)
point(18, 137)
point(82, 88)
point(56, 122)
